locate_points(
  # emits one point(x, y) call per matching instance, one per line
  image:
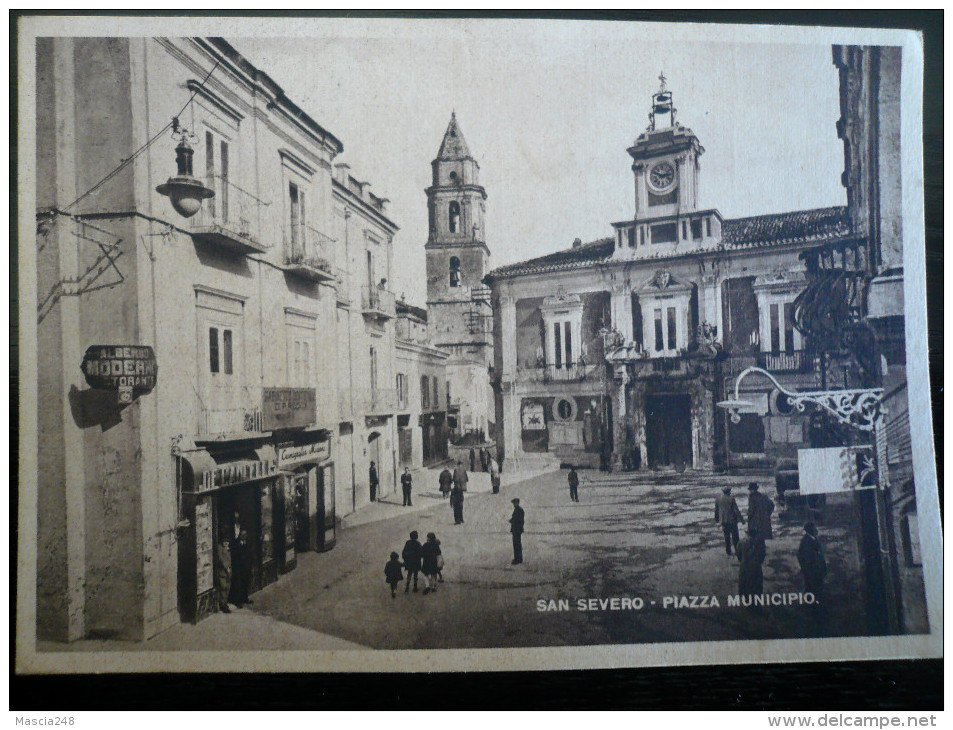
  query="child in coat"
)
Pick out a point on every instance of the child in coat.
point(393, 573)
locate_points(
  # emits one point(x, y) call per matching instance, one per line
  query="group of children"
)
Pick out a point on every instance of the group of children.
point(426, 559)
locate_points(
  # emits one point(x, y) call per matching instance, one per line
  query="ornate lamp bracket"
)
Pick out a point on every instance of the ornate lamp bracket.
point(859, 408)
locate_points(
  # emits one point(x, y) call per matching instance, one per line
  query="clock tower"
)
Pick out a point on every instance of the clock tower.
point(665, 162)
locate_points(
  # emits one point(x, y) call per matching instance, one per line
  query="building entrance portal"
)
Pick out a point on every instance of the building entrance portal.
point(668, 431)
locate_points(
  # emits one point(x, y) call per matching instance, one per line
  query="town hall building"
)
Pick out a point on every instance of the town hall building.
point(614, 353)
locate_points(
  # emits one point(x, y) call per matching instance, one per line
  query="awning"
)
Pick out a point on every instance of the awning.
point(202, 472)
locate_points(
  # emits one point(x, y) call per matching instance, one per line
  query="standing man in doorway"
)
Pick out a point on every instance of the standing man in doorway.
point(372, 479)
point(406, 483)
point(516, 529)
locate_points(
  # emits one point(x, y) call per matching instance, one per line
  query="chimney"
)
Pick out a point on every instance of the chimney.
point(577, 243)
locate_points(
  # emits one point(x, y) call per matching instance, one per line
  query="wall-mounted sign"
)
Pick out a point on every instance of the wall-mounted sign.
point(533, 417)
point(288, 408)
point(838, 469)
point(130, 370)
point(292, 455)
point(236, 473)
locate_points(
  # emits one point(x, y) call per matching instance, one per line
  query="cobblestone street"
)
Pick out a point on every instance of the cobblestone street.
point(626, 538)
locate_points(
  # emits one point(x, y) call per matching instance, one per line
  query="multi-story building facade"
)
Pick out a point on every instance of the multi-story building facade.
point(237, 356)
point(423, 391)
point(458, 302)
point(623, 363)
point(366, 314)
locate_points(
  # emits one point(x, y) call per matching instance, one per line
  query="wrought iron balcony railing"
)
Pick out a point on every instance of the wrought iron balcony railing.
point(378, 302)
point(568, 372)
point(796, 361)
point(231, 218)
point(308, 252)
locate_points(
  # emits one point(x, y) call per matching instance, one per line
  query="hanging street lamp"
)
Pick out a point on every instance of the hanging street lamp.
point(184, 191)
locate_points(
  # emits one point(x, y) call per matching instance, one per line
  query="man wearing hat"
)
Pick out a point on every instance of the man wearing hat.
point(516, 528)
point(760, 508)
point(810, 556)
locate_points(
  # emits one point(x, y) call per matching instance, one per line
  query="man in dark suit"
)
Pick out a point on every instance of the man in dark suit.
point(573, 484)
point(516, 529)
point(810, 556)
point(406, 484)
point(373, 481)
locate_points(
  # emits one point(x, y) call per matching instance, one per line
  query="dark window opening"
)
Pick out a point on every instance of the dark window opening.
point(454, 211)
point(454, 271)
point(641, 236)
point(631, 235)
point(664, 233)
point(658, 330)
point(227, 351)
point(708, 227)
point(684, 230)
point(775, 329)
point(671, 328)
point(568, 344)
point(557, 342)
point(667, 199)
point(697, 230)
point(424, 392)
point(453, 177)
point(213, 349)
point(789, 327)
point(436, 393)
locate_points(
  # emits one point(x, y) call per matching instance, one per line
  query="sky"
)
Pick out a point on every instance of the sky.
point(548, 110)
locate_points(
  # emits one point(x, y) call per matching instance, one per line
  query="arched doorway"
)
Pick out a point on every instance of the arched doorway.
point(374, 456)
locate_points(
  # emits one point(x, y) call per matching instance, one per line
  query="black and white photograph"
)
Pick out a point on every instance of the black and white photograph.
point(462, 345)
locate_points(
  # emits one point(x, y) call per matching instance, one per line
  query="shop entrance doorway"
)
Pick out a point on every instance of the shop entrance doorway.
point(668, 431)
point(374, 455)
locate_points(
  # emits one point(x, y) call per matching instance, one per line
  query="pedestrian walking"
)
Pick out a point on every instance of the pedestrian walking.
point(751, 553)
point(241, 570)
point(517, 522)
point(810, 556)
point(472, 460)
point(460, 478)
point(494, 475)
point(760, 508)
point(573, 484)
point(728, 516)
point(431, 559)
point(446, 480)
point(485, 459)
point(406, 484)
point(393, 573)
point(223, 570)
point(456, 504)
point(373, 481)
point(412, 557)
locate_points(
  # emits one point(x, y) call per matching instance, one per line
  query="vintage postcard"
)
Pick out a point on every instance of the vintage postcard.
point(417, 345)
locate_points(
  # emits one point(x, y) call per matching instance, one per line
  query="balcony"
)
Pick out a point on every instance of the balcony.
point(378, 303)
point(796, 361)
point(308, 253)
point(230, 219)
point(223, 424)
point(569, 373)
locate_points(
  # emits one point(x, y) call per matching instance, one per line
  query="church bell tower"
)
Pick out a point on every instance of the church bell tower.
point(457, 254)
point(458, 303)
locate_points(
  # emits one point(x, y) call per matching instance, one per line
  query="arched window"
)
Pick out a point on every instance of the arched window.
point(454, 216)
point(453, 177)
point(454, 271)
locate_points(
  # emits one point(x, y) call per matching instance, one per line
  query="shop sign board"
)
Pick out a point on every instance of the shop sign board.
point(227, 474)
point(838, 469)
point(288, 408)
point(533, 417)
point(129, 369)
point(291, 455)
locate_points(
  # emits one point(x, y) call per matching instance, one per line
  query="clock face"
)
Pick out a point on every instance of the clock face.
point(662, 177)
